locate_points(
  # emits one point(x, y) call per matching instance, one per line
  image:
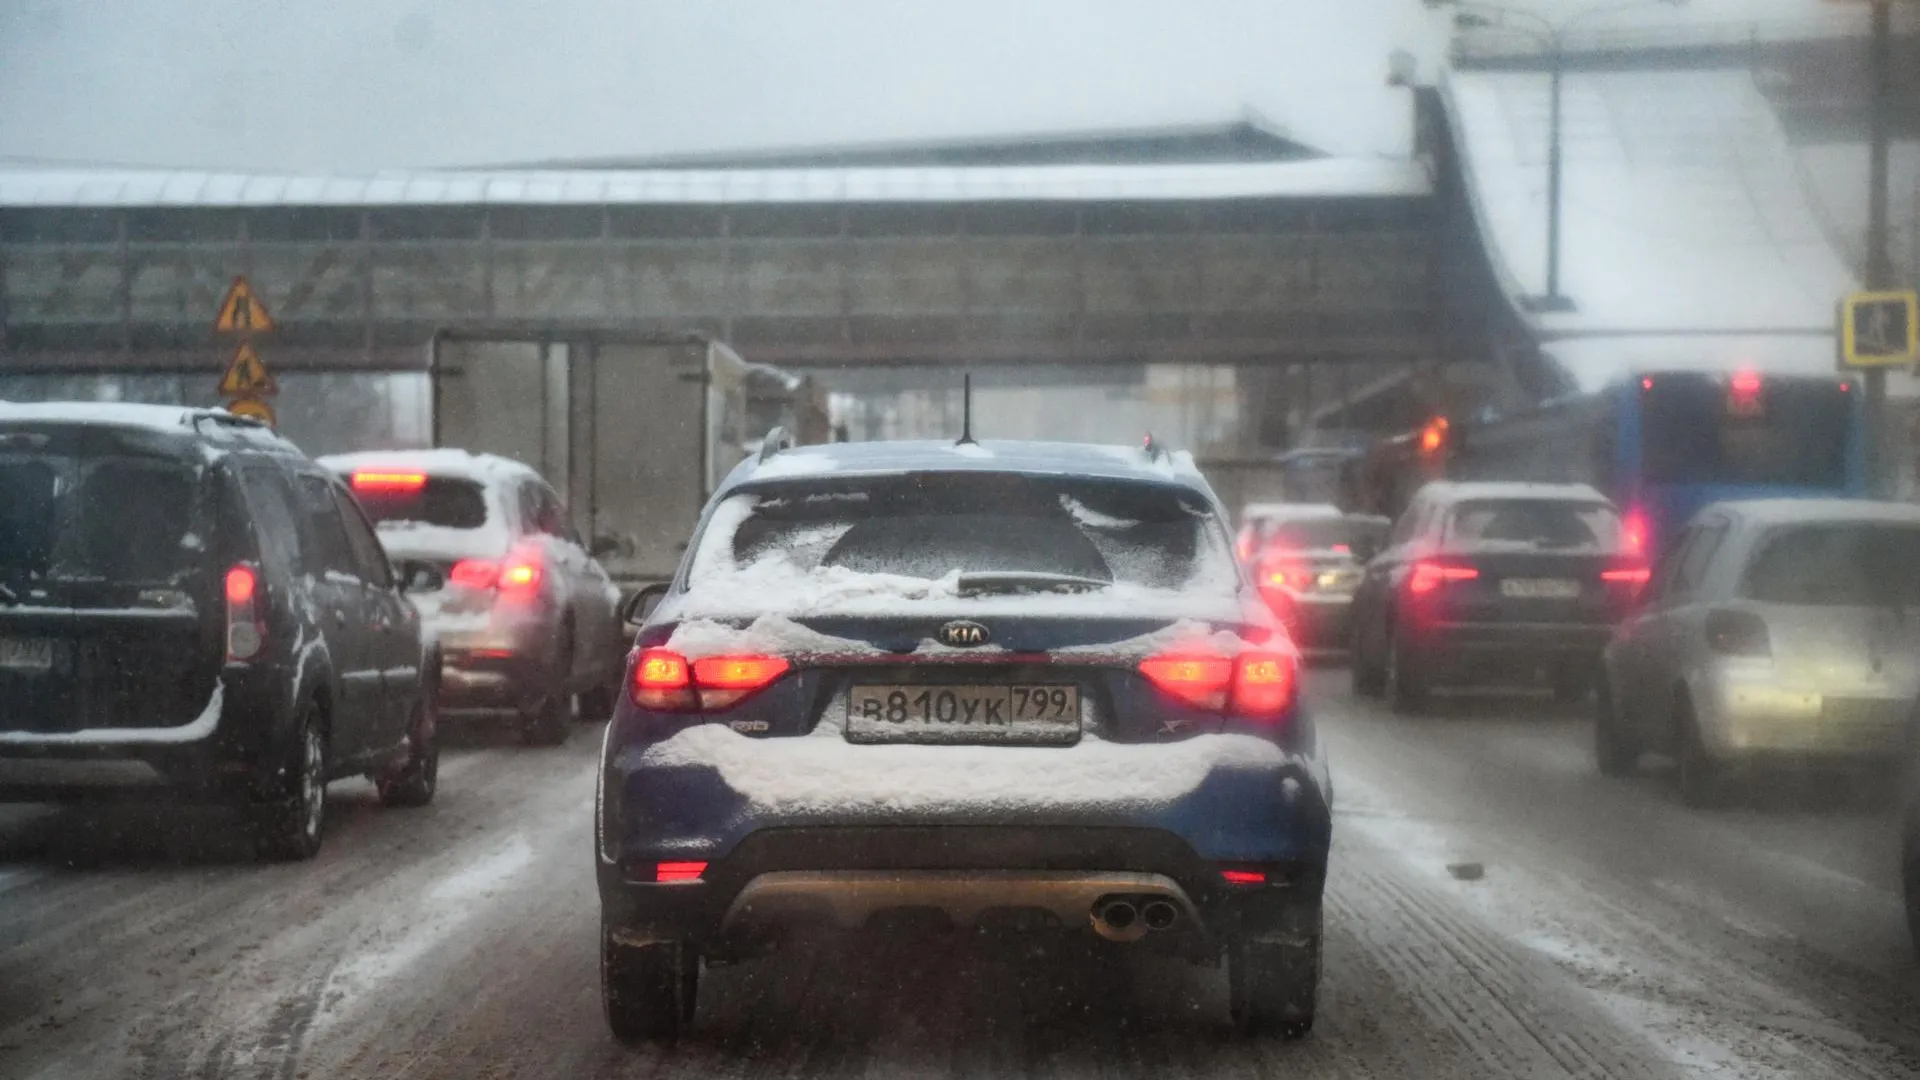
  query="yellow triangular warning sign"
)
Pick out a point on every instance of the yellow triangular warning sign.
point(247, 376)
point(241, 312)
point(253, 410)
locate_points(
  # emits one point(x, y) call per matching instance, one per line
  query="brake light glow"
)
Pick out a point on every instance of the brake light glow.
point(1254, 683)
point(389, 481)
point(1646, 382)
point(1744, 383)
point(1428, 576)
point(1433, 436)
point(678, 871)
point(1276, 577)
point(1626, 575)
point(1634, 532)
point(1243, 877)
point(666, 681)
point(1343, 549)
point(520, 576)
point(245, 631)
point(477, 574)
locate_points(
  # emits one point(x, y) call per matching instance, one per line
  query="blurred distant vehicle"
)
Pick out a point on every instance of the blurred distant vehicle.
point(1773, 631)
point(1493, 580)
point(635, 427)
point(1302, 558)
point(191, 608)
point(1661, 444)
point(1007, 685)
point(527, 618)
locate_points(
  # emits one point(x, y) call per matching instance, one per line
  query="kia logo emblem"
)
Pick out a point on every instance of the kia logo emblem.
point(963, 634)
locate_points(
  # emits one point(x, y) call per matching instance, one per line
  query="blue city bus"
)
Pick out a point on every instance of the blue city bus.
point(1663, 444)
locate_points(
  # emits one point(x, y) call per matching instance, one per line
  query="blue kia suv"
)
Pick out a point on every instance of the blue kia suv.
point(1020, 685)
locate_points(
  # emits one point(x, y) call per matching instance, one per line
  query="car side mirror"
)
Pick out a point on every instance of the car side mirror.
point(636, 608)
point(418, 577)
point(606, 544)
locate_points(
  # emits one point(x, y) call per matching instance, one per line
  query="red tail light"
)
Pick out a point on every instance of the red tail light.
point(1243, 877)
point(1254, 683)
point(678, 871)
point(1428, 576)
point(1635, 576)
point(1634, 532)
point(518, 576)
point(245, 630)
point(389, 481)
point(477, 574)
point(666, 681)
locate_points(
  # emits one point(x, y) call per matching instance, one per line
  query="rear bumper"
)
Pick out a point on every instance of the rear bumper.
point(1516, 642)
point(495, 664)
point(1745, 712)
point(1029, 878)
point(226, 752)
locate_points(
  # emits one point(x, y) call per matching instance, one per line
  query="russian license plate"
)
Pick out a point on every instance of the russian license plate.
point(1046, 714)
point(26, 654)
point(1540, 588)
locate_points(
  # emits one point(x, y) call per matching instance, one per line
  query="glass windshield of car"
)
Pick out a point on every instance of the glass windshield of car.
point(1309, 534)
point(1837, 565)
point(1792, 432)
point(1535, 523)
point(446, 502)
point(104, 518)
point(928, 528)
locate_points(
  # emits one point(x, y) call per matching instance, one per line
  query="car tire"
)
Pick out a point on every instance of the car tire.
point(414, 783)
point(1406, 678)
point(1702, 784)
point(290, 826)
point(649, 992)
point(549, 721)
point(1614, 751)
point(1272, 986)
point(597, 704)
point(1369, 678)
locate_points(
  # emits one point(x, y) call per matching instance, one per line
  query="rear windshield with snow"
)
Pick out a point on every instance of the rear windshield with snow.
point(1535, 523)
point(87, 506)
point(930, 527)
point(1842, 565)
point(447, 502)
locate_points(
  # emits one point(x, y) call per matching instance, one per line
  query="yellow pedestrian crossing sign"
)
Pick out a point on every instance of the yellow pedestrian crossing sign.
point(247, 376)
point(241, 311)
point(1879, 329)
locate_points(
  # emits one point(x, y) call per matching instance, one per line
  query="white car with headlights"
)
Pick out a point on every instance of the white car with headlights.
point(1783, 631)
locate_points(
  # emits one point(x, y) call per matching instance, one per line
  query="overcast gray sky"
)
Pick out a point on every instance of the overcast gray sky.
point(360, 84)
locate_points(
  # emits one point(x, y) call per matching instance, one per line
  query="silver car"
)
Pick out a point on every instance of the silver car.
point(1779, 630)
point(525, 616)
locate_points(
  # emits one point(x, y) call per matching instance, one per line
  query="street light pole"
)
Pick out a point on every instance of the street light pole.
point(1879, 268)
point(1553, 301)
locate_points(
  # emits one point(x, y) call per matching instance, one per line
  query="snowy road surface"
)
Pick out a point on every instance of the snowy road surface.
point(1608, 931)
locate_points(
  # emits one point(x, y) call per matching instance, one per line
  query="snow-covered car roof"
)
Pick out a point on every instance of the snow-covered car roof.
point(457, 464)
point(1766, 512)
point(1462, 491)
point(1272, 511)
point(170, 419)
point(1033, 458)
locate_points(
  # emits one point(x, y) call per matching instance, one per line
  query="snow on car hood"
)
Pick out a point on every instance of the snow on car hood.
point(823, 774)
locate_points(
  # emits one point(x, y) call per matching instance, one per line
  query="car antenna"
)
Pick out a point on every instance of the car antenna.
point(966, 411)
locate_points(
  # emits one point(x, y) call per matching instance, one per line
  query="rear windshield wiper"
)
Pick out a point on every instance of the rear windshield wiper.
point(1011, 581)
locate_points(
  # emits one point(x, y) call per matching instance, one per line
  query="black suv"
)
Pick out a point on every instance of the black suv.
point(191, 608)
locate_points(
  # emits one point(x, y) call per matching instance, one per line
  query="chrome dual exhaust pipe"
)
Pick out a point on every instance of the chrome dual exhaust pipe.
point(1122, 920)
